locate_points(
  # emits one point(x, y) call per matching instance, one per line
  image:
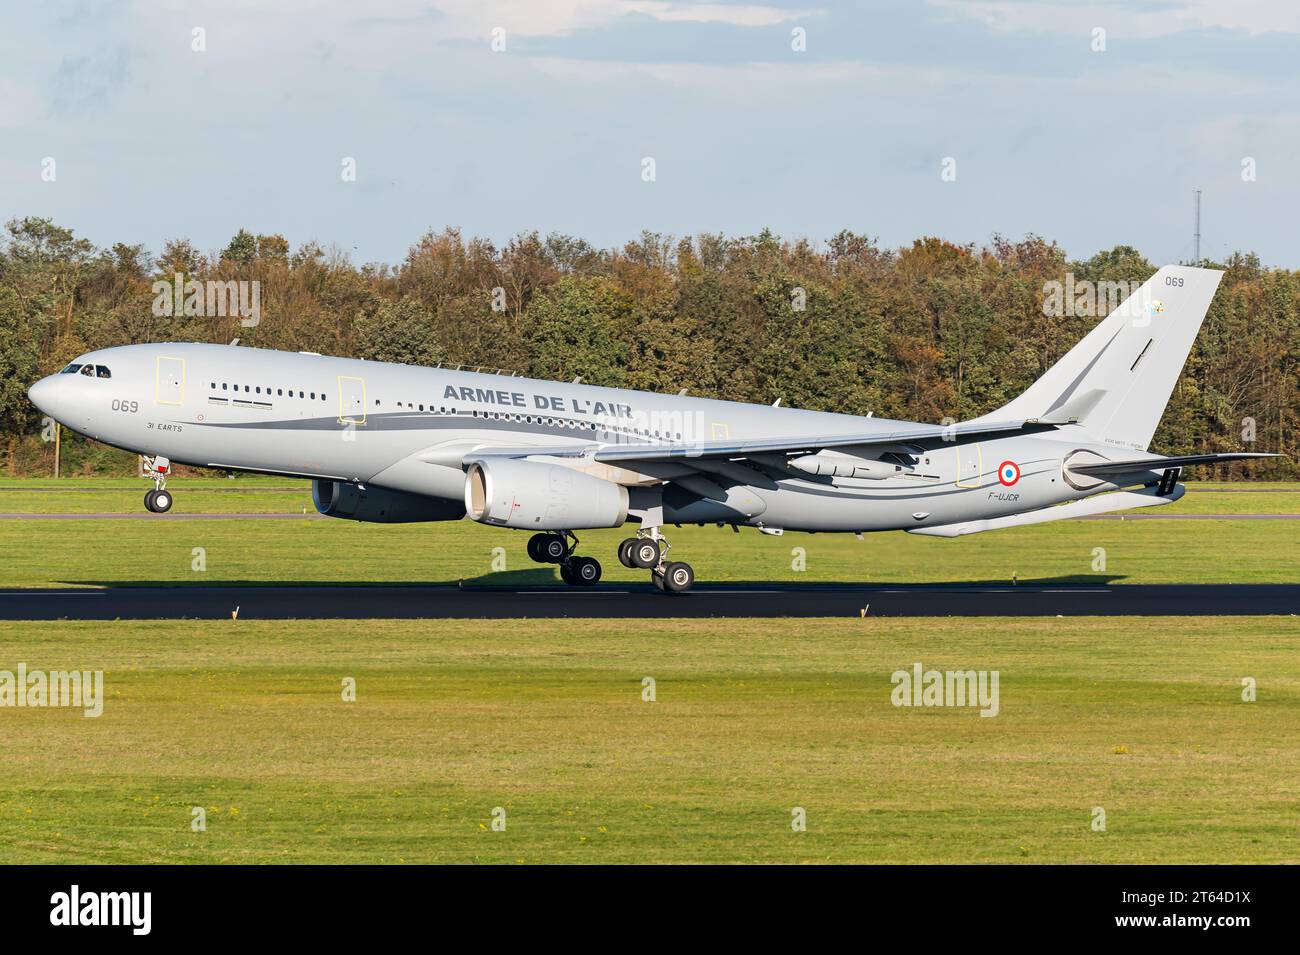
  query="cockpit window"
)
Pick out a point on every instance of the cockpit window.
point(71, 369)
point(101, 371)
point(88, 371)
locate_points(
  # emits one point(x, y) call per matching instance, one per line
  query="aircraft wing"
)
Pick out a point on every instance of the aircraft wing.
point(1138, 465)
point(922, 435)
point(928, 436)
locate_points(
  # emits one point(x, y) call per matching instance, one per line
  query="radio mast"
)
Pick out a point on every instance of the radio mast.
point(1196, 260)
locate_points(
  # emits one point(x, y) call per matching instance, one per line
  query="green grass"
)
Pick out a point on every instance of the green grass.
point(545, 718)
point(263, 495)
point(246, 494)
point(1139, 716)
point(93, 552)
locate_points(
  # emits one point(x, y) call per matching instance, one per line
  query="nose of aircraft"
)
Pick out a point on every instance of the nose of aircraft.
point(43, 394)
point(57, 397)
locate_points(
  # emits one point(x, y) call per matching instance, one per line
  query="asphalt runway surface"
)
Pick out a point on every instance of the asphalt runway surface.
point(643, 601)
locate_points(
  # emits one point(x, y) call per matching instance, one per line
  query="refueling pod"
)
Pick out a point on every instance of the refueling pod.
point(836, 464)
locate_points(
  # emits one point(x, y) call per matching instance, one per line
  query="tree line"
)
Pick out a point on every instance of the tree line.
point(927, 332)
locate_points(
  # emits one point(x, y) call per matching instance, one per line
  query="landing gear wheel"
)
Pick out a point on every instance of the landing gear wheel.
point(553, 548)
point(657, 578)
point(162, 501)
point(567, 575)
point(678, 577)
point(625, 552)
point(535, 545)
point(148, 501)
point(585, 571)
point(645, 553)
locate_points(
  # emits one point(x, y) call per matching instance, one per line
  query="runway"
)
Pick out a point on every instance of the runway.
point(718, 600)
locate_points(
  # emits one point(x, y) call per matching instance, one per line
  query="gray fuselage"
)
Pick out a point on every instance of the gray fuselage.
point(408, 428)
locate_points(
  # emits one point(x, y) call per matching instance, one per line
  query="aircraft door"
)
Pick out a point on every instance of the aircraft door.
point(970, 465)
point(169, 381)
point(352, 400)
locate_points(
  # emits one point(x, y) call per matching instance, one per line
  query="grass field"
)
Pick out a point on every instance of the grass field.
point(93, 552)
point(1142, 718)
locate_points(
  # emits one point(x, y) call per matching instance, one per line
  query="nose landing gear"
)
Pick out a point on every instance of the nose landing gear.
point(648, 550)
point(558, 548)
point(157, 500)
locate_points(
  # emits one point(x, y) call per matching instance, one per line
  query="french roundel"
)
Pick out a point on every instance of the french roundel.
point(1008, 473)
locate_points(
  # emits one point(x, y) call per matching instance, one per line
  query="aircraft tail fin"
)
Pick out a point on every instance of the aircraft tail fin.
point(1116, 381)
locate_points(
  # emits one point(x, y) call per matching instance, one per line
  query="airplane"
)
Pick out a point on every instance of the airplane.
point(391, 443)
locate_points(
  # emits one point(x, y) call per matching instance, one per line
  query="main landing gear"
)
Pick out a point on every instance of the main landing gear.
point(158, 499)
point(649, 551)
point(559, 549)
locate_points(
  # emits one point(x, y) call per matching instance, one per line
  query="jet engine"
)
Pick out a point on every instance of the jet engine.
point(532, 495)
point(377, 505)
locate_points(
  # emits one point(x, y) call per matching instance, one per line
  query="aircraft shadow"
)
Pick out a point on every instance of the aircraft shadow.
point(547, 578)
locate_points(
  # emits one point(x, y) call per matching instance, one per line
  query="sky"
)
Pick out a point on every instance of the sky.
point(957, 118)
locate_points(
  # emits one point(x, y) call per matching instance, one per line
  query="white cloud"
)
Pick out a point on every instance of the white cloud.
point(563, 17)
point(1175, 16)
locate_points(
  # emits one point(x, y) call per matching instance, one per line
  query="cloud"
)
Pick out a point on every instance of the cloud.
point(556, 18)
point(1254, 17)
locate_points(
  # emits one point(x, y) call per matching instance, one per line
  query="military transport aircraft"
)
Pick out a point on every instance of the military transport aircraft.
point(395, 443)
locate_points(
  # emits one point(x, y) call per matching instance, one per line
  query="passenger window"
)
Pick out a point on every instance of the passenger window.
point(224, 386)
point(279, 392)
point(313, 396)
point(259, 389)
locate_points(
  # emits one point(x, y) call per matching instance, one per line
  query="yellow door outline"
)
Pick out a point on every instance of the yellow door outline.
point(344, 417)
point(158, 381)
point(976, 459)
point(720, 431)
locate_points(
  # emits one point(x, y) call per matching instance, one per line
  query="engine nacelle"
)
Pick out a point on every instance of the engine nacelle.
point(531, 495)
point(377, 505)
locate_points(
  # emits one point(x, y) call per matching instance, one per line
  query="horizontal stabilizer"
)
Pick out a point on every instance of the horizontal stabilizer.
point(1138, 465)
